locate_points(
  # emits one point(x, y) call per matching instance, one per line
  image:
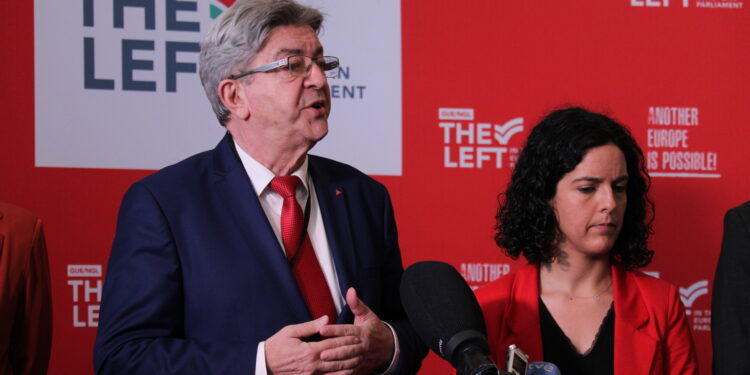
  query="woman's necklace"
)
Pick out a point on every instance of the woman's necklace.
point(596, 297)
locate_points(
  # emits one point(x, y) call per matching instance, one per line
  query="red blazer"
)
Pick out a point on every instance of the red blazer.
point(652, 335)
point(25, 298)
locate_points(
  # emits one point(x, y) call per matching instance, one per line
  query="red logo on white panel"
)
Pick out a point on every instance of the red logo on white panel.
point(477, 144)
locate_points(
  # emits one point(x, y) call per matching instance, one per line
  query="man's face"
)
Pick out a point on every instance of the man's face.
point(284, 109)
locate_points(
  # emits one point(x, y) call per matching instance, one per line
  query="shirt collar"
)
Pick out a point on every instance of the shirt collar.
point(260, 176)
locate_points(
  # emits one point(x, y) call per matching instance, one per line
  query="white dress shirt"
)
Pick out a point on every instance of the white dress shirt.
point(261, 177)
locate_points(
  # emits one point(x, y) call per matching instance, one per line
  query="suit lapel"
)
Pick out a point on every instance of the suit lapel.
point(236, 193)
point(635, 348)
point(522, 323)
point(332, 200)
point(1, 236)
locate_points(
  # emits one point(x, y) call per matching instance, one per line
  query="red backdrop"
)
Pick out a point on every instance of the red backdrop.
point(503, 60)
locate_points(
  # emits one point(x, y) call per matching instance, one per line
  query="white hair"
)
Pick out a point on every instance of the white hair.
point(237, 36)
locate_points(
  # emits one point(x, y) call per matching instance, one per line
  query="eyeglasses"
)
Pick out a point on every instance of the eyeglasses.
point(297, 66)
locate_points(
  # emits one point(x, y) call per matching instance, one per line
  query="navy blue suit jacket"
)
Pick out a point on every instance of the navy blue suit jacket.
point(196, 277)
point(730, 306)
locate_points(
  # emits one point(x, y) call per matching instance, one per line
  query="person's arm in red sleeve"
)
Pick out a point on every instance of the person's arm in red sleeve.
point(31, 339)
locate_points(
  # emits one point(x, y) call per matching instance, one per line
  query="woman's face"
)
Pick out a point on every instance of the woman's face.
point(590, 202)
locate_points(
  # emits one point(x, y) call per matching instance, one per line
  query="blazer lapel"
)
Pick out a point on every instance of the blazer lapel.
point(635, 348)
point(236, 193)
point(332, 200)
point(522, 315)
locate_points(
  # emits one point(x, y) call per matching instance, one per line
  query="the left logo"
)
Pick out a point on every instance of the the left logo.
point(469, 144)
point(218, 9)
point(85, 281)
point(689, 294)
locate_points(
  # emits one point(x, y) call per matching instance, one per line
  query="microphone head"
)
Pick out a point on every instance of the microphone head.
point(442, 308)
point(542, 368)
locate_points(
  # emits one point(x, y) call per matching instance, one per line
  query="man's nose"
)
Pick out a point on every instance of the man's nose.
point(315, 77)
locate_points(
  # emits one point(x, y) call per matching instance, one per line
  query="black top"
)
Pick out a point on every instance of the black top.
point(558, 349)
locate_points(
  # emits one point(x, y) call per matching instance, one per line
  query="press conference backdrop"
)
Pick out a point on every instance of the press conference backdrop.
point(434, 99)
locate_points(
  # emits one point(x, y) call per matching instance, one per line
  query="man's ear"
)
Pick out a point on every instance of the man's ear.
point(234, 96)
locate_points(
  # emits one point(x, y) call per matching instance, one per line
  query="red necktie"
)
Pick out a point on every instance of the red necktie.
point(299, 251)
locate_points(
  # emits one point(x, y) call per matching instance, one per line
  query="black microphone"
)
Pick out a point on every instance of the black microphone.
point(446, 315)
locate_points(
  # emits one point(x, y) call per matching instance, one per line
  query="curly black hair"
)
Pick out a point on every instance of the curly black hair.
point(526, 223)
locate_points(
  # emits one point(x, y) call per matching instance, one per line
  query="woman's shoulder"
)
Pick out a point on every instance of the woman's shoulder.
point(493, 290)
point(651, 283)
point(500, 290)
point(655, 292)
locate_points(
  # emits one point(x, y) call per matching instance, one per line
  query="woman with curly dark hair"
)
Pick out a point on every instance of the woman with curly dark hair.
point(577, 209)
